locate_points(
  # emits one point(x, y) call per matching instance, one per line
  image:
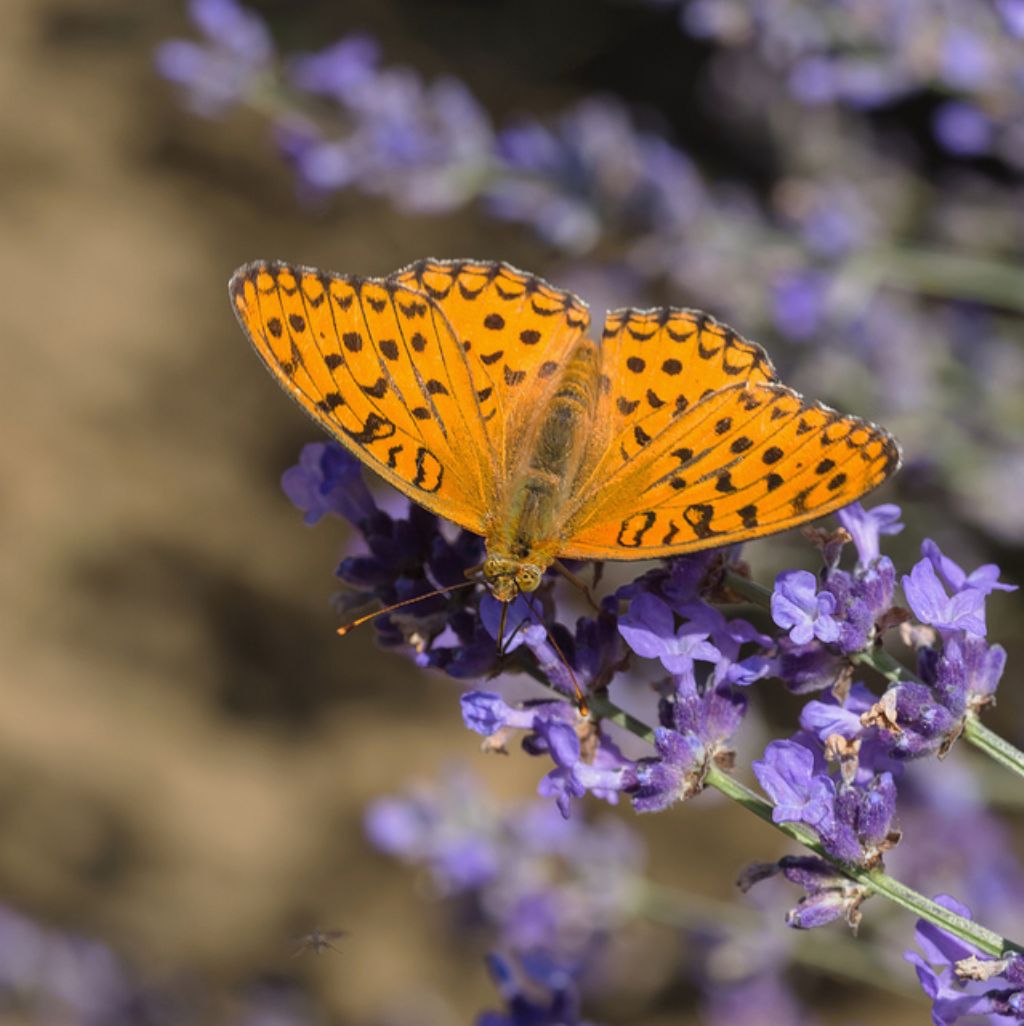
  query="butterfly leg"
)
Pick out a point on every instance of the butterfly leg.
point(578, 583)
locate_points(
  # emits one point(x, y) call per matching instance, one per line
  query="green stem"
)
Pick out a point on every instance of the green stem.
point(993, 745)
point(939, 273)
point(874, 880)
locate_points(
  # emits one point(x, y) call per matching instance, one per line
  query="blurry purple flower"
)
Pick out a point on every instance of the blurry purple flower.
point(557, 1004)
point(967, 59)
point(797, 607)
point(926, 596)
point(962, 128)
point(798, 303)
point(814, 82)
point(1012, 12)
point(650, 631)
point(867, 525)
point(327, 479)
point(608, 774)
point(338, 71)
point(459, 851)
point(593, 168)
point(985, 579)
point(220, 72)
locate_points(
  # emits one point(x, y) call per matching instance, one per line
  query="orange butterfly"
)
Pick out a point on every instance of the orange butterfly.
point(473, 388)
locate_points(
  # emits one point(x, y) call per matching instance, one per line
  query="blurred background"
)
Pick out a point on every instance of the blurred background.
point(187, 752)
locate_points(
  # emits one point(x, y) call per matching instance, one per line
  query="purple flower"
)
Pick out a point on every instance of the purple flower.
point(696, 729)
point(461, 855)
point(860, 600)
point(799, 791)
point(219, 73)
point(798, 303)
point(866, 527)
point(486, 713)
point(959, 979)
point(915, 722)
point(962, 128)
point(649, 629)
point(541, 993)
point(965, 674)
point(965, 610)
point(340, 71)
point(608, 774)
point(797, 607)
point(675, 775)
point(829, 717)
point(853, 820)
point(328, 479)
point(985, 579)
point(806, 668)
point(830, 895)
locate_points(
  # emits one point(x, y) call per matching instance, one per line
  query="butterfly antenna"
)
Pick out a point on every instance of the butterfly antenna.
point(342, 631)
point(581, 698)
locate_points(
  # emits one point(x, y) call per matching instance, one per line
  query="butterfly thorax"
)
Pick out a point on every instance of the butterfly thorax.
point(524, 542)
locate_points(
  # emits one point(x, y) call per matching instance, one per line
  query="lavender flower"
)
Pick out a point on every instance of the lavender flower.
point(806, 613)
point(695, 734)
point(853, 820)
point(964, 610)
point(218, 74)
point(605, 774)
point(960, 980)
point(866, 526)
point(650, 631)
point(558, 1005)
point(829, 895)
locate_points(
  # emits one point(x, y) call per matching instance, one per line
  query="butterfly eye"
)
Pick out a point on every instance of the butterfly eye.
point(528, 577)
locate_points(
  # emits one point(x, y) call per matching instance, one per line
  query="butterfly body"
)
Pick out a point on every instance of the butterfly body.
point(523, 542)
point(473, 388)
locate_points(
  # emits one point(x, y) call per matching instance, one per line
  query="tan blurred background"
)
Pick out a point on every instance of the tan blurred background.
point(186, 750)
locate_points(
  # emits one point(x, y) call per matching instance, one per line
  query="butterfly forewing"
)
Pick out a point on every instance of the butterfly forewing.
point(379, 366)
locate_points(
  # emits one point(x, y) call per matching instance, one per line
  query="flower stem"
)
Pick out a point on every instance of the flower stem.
point(995, 747)
point(874, 880)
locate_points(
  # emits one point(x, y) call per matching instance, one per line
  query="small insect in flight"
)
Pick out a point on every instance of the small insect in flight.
point(318, 941)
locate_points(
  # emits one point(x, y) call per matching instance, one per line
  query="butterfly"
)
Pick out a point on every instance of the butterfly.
point(474, 388)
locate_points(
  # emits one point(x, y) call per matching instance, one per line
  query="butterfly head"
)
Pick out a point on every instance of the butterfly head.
point(509, 578)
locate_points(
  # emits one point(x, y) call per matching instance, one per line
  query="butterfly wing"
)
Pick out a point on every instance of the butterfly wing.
point(378, 365)
point(707, 448)
point(517, 328)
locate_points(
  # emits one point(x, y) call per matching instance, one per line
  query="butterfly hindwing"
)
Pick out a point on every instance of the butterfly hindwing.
point(746, 461)
point(378, 365)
